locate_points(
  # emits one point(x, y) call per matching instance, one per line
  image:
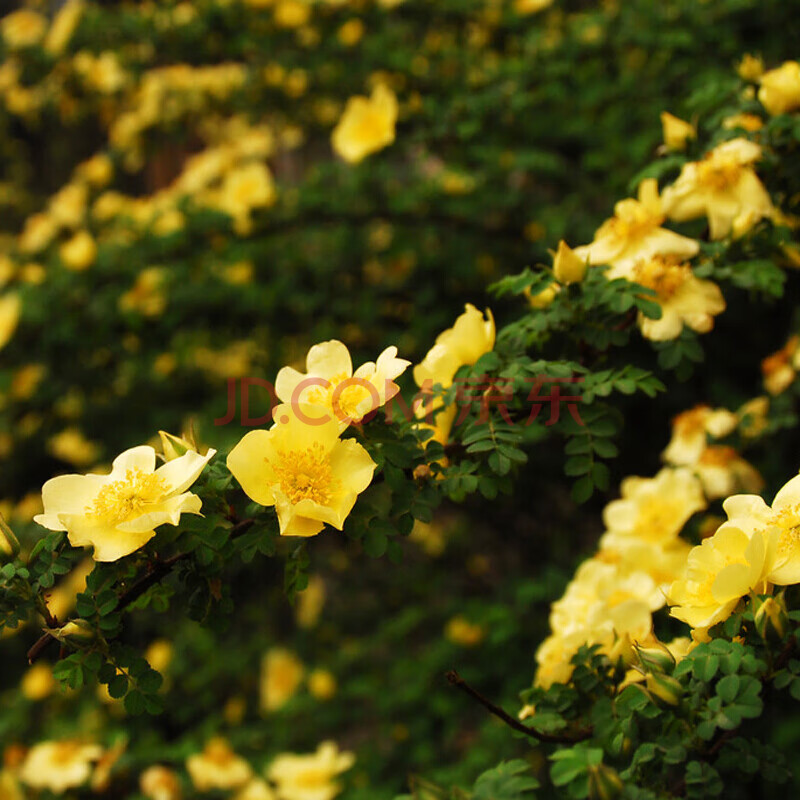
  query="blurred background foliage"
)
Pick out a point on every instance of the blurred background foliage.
point(207, 232)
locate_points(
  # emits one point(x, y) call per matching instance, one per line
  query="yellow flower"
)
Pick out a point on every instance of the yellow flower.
point(79, 252)
point(39, 231)
point(752, 417)
point(310, 777)
point(690, 430)
point(747, 122)
point(256, 789)
point(292, 13)
point(310, 602)
point(322, 684)
point(780, 368)
point(366, 126)
point(677, 132)
point(68, 206)
point(159, 654)
point(750, 68)
point(780, 88)
point(59, 766)
point(331, 390)
point(351, 32)
point(160, 783)
point(684, 299)
point(635, 233)
point(459, 630)
point(97, 171)
point(655, 509)
point(218, 767)
point(723, 471)
point(38, 682)
point(73, 447)
point(470, 337)
point(545, 297)
point(720, 571)
point(119, 512)
point(531, 6)
point(724, 187)
point(281, 675)
point(304, 470)
point(748, 513)
point(63, 26)
point(23, 28)
point(244, 189)
point(10, 307)
point(567, 266)
point(146, 296)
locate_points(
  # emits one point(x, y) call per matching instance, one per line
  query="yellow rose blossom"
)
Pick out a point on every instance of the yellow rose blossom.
point(780, 368)
point(568, 267)
point(655, 509)
point(690, 431)
point(752, 417)
point(322, 684)
point(459, 630)
point(329, 389)
point(292, 13)
point(748, 513)
point(304, 470)
point(79, 252)
point(553, 659)
point(244, 189)
point(119, 512)
point(63, 26)
point(10, 307)
point(38, 682)
point(217, 767)
point(683, 298)
point(747, 122)
point(281, 675)
point(23, 28)
point(310, 777)
point(676, 131)
point(59, 766)
point(159, 654)
point(256, 789)
point(780, 88)
point(73, 447)
point(723, 186)
point(68, 206)
point(470, 337)
point(544, 298)
point(722, 471)
point(366, 126)
point(750, 68)
point(635, 233)
point(524, 7)
point(146, 296)
point(160, 783)
point(720, 571)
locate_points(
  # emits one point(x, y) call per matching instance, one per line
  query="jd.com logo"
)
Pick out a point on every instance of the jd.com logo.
point(488, 391)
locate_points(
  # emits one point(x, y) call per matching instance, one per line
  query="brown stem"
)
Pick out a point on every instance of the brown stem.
point(157, 571)
point(579, 735)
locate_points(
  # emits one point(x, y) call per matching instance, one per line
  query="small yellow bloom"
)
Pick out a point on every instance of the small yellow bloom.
point(780, 368)
point(684, 299)
point(256, 789)
point(79, 252)
point(677, 132)
point(747, 122)
point(322, 684)
point(218, 767)
point(750, 68)
point(160, 783)
point(310, 475)
point(38, 682)
point(724, 187)
point(281, 675)
point(545, 297)
point(690, 431)
point(159, 654)
point(292, 13)
point(568, 267)
point(73, 447)
point(723, 569)
point(524, 7)
point(655, 509)
point(635, 233)
point(351, 32)
point(780, 88)
point(59, 766)
point(459, 630)
point(366, 126)
point(23, 28)
point(310, 777)
point(10, 307)
point(147, 296)
point(331, 390)
point(119, 512)
point(68, 206)
point(39, 230)
point(244, 189)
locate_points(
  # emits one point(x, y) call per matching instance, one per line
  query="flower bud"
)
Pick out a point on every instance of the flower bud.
point(770, 617)
point(656, 658)
point(568, 267)
point(175, 446)
point(677, 132)
point(78, 631)
point(544, 298)
point(664, 687)
point(604, 783)
point(9, 544)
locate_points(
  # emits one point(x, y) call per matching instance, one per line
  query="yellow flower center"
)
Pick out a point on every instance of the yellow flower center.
point(218, 752)
point(64, 753)
point(662, 276)
point(347, 399)
point(788, 520)
point(657, 518)
point(719, 174)
point(123, 499)
point(633, 220)
point(369, 126)
point(305, 475)
point(311, 778)
point(718, 456)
